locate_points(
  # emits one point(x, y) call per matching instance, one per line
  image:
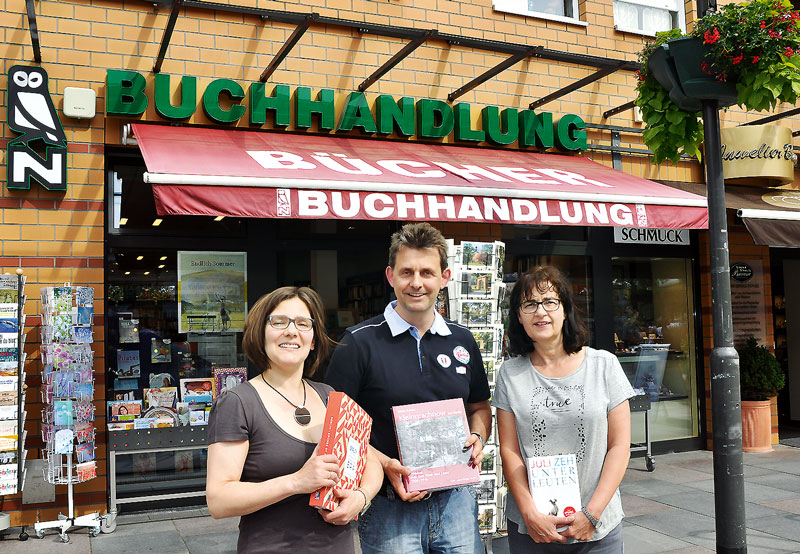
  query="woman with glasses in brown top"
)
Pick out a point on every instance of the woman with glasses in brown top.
point(263, 436)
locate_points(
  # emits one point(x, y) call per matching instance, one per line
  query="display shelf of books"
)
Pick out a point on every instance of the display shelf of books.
point(12, 384)
point(365, 295)
point(476, 298)
point(67, 393)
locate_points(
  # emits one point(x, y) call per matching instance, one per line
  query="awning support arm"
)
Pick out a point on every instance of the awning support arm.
point(37, 51)
point(167, 36)
point(502, 66)
point(396, 59)
point(596, 76)
point(288, 45)
point(771, 118)
point(622, 108)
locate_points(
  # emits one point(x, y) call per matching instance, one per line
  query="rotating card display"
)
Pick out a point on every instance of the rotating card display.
point(68, 384)
point(12, 383)
point(476, 298)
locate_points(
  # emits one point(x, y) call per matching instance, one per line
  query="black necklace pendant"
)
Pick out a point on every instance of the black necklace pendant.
point(302, 416)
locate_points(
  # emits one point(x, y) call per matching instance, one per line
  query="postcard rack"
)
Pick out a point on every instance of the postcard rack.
point(67, 392)
point(476, 298)
point(12, 388)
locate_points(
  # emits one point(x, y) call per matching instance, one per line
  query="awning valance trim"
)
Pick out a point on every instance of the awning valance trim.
point(410, 188)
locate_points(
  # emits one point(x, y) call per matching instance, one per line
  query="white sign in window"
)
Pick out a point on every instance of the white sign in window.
point(567, 9)
point(648, 17)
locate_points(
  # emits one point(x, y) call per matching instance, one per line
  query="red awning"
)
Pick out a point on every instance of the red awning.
point(198, 171)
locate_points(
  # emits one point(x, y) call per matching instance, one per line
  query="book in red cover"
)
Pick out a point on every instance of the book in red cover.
point(430, 438)
point(345, 433)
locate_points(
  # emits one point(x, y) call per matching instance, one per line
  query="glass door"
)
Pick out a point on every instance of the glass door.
point(654, 338)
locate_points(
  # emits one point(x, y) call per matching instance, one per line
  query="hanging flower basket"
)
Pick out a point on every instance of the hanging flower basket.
point(690, 56)
point(662, 65)
point(746, 54)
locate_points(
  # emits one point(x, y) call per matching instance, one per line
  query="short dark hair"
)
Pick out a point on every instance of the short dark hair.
point(574, 331)
point(420, 236)
point(253, 341)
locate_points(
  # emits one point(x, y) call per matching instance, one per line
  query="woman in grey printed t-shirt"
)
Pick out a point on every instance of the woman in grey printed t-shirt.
point(558, 397)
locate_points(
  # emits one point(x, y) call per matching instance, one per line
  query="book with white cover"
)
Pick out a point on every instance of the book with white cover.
point(553, 482)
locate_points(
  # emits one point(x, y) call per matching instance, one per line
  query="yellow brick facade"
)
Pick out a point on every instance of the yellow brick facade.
point(58, 237)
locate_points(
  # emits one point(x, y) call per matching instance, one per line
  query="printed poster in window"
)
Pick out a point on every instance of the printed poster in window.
point(212, 291)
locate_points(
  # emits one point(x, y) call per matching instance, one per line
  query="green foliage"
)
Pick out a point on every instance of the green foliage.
point(669, 132)
point(760, 373)
point(754, 44)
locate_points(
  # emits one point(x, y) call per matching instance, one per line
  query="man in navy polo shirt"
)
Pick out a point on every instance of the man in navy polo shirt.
point(407, 355)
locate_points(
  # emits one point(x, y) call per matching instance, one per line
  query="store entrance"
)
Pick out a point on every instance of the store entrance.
point(785, 266)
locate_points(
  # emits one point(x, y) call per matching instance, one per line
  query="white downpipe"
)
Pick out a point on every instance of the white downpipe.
point(748, 213)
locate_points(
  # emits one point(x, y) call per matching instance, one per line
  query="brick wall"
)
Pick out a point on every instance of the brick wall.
point(741, 247)
point(58, 237)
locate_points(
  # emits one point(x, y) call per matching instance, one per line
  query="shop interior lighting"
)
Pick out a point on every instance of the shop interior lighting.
point(147, 273)
point(139, 258)
point(157, 222)
point(219, 218)
point(162, 258)
point(161, 266)
point(123, 220)
point(127, 273)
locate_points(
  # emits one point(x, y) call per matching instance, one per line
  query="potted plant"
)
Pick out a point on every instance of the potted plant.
point(752, 46)
point(761, 378)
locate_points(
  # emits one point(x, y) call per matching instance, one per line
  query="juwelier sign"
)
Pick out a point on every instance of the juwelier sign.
point(224, 101)
point(40, 153)
point(759, 155)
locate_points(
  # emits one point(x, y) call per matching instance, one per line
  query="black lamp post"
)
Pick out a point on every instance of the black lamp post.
point(726, 416)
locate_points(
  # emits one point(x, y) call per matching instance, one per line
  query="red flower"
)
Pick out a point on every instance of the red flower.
point(755, 59)
point(710, 37)
point(788, 51)
point(738, 58)
point(763, 25)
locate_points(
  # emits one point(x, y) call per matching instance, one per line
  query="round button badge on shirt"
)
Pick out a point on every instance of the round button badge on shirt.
point(443, 359)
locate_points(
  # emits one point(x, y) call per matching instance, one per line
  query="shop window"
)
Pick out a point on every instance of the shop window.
point(655, 341)
point(160, 368)
point(648, 17)
point(547, 9)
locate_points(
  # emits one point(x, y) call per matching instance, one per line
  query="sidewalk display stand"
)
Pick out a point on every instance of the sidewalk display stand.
point(641, 403)
point(476, 298)
point(12, 389)
point(67, 392)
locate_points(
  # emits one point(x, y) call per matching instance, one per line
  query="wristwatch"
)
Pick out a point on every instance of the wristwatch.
point(596, 522)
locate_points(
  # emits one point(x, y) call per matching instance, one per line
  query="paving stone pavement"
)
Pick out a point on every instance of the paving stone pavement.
point(668, 510)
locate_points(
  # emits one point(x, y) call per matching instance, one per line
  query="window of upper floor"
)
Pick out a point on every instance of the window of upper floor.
point(558, 10)
point(648, 17)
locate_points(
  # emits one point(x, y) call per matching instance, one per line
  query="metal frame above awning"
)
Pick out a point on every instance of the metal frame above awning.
point(34, 29)
point(416, 38)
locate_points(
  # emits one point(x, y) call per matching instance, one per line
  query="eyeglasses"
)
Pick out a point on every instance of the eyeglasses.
point(282, 322)
point(531, 306)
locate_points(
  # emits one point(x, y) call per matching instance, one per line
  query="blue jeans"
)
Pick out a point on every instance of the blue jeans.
point(446, 522)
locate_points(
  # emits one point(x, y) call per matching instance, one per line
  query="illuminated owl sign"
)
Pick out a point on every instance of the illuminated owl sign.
point(40, 152)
